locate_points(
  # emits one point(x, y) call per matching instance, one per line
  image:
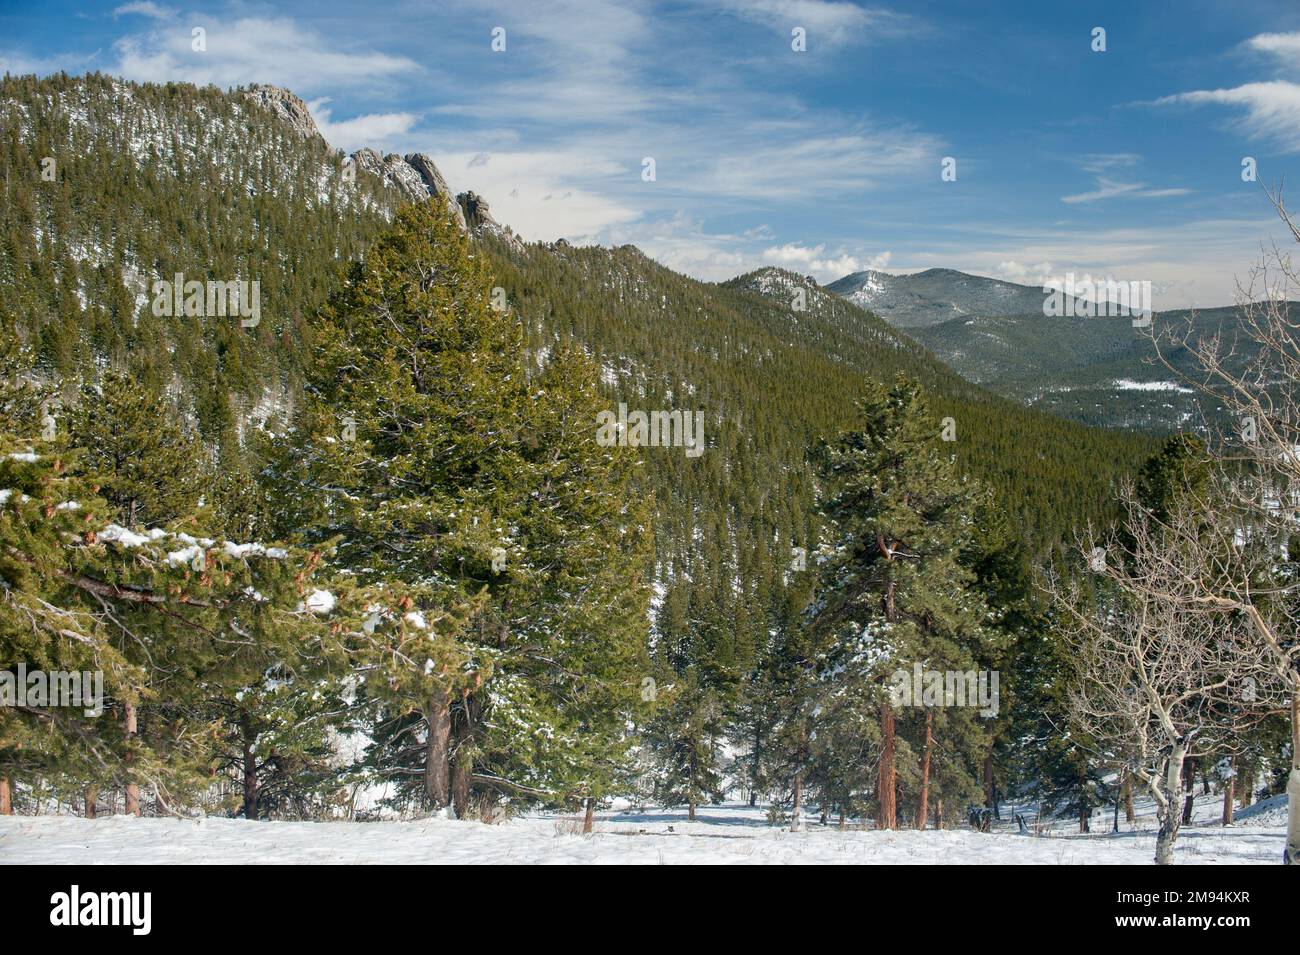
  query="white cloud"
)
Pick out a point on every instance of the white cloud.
point(814, 260)
point(767, 162)
point(145, 8)
point(279, 51)
point(541, 195)
point(832, 21)
point(1104, 166)
point(19, 64)
point(1195, 263)
point(1272, 108)
point(376, 130)
point(1013, 271)
point(1110, 189)
point(1283, 46)
point(1104, 162)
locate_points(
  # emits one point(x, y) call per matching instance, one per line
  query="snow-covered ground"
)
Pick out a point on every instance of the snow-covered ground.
point(725, 834)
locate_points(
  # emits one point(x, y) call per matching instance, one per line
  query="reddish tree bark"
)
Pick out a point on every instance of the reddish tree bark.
point(462, 757)
point(587, 819)
point(437, 752)
point(923, 803)
point(888, 778)
point(6, 798)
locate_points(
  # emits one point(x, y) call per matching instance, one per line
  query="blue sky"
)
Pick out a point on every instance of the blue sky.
point(1124, 163)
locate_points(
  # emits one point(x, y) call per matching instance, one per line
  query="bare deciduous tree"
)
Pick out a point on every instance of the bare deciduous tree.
point(1250, 374)
point(1161, 672)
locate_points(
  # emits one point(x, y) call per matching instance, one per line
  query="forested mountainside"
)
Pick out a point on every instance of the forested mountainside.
point(153, 181)
point(157, 180)
point(1099, 371)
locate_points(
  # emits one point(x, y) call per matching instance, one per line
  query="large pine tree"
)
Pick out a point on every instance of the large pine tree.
point(476, 501)
point(895, 589)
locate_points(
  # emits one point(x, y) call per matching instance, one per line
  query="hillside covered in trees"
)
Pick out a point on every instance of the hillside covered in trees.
point(375, 536)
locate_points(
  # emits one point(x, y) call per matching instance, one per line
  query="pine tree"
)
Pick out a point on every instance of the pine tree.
point(895, 592)
point(147, 469)
point(481, 505)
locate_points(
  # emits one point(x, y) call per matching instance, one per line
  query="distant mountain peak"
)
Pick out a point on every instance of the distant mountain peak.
point(936, 295)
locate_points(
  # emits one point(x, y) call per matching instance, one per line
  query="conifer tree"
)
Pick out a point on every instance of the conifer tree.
point(895, 591)
point(481, 503)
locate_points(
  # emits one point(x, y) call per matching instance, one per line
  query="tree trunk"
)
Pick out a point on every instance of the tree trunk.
point(1129, 814)
point(1170, 813)
point(990, 787)
point(923, 801)
point(131, 720)
point(1229, 795)
point(6, 798)
point(1291, 855)
point(437, 752)
point(249, 739)
point(588, 818)
point(462, 759)
point(690, 813)
point(887, 783)
point(92, 797)
point(1085, 811)
point(796, 816)
point(1190, 786)
point(843, 819)
point(1246, 787)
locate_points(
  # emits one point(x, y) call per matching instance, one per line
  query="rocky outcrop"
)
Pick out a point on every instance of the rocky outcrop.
point(435, 183)
point(284, 104)
point(478, 219)
point(423, 165)
point(415, 175)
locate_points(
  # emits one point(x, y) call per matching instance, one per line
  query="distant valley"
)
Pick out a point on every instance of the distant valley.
point(1099, 371)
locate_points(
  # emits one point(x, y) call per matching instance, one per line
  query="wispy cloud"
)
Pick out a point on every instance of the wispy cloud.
point(815, 261)
point(1285, 47)
point(827, 21)
point(376, 130)
point(1272, 108)
point(145, 8)
point(1104, 167)
point(280, 51)
point(541, 194)
point(1112, 189)
point(20, 64)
